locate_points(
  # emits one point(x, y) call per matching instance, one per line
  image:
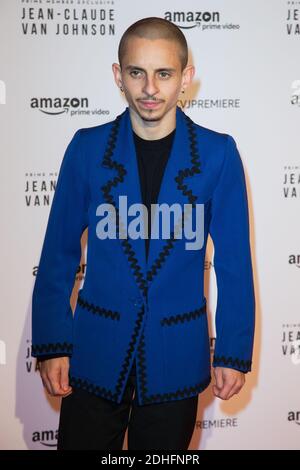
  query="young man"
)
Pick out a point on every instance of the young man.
point(137, 351)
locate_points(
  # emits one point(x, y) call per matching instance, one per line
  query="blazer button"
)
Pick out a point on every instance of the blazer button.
point(137, 302)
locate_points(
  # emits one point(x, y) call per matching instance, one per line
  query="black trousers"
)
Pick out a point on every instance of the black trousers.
point(89, 422)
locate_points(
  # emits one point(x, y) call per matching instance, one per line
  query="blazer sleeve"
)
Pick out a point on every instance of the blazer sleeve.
point(229, 230)
point(52, 316)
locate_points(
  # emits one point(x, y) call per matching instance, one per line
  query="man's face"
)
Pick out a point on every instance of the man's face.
point(151, 76)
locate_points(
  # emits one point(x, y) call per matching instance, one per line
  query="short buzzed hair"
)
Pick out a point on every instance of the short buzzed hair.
point(155, 28)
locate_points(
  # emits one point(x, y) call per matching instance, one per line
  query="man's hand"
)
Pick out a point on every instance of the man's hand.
point(228, 382)
point(55, 376)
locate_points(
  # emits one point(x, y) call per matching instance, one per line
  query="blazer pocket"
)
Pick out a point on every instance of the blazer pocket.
point(186, 345)
point(95, 333)
point(98, 309)
point(183, 317)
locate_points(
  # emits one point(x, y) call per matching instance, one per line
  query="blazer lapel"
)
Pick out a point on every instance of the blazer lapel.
point(123, 180)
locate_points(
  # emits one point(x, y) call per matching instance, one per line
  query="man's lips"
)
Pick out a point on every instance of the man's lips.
point(150, 104)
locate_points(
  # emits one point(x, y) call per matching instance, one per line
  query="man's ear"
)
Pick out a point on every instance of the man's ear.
point(188, 75)
point(116, 68)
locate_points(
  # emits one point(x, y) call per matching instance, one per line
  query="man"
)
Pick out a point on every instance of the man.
point(137, 352)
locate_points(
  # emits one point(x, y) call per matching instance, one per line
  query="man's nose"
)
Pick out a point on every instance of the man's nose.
point(150, 87)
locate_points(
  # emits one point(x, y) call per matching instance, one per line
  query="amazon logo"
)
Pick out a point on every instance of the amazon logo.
point(56, 106)
point(47, 438)
point(294, 417)
point(192, 19)
point(294, 260)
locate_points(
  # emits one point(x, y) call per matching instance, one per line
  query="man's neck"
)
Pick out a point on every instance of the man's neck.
point(153, 130)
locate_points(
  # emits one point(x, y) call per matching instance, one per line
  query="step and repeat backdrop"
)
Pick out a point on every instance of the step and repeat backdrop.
point(56, 77)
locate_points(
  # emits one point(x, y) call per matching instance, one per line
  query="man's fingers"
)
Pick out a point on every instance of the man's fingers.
point(54, 373)
point(229, 385)
point(53, 378)
point(235, 390)
point(64, 379)
point(228, 382)
point(219, 378)
point(230, 388)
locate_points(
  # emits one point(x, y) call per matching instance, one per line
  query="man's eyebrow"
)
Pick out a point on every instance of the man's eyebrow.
point(161, 69)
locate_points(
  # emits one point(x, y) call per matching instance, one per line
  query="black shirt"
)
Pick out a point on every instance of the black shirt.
point(152, 157)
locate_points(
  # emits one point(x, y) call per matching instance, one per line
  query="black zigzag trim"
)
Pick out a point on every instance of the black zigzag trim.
point(185, 392)
point(181, 175)
point(130, 351)
point(52, 348)
point(110, 163)
point(159, 397)
point(234, 362)
point(183, 317)
point(111, 143)
point(157, 264)
point(141, 365)
point(195, 160)
point(98, 310)
point(92, 388)
point(135, 266)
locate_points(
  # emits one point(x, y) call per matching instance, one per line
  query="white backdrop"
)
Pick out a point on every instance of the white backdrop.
point(55, 77)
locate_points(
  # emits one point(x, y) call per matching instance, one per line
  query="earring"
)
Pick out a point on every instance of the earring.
point(121, 88)
point(182, 91)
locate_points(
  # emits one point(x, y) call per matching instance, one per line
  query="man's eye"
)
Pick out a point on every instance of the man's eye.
point(164, 74)
point(135, 73)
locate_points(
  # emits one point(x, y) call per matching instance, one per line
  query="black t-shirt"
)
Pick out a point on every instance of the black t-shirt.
point(152, 157)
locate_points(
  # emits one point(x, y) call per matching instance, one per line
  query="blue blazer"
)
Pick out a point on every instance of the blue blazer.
point(128, 307)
